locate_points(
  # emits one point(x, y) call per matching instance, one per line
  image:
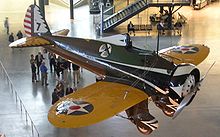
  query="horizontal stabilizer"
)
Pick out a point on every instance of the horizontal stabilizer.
point(30, 42)
point(63, 32)
point(194, 53)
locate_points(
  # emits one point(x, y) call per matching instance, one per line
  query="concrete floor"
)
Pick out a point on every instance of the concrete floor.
point(200, 119)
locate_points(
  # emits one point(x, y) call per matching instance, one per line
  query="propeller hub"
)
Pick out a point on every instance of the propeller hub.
point(189, 85)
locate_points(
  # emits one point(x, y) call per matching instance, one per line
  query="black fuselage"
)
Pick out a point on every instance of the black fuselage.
point(140, 68)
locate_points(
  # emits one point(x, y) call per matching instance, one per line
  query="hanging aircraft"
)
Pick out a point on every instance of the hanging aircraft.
point(130, 77)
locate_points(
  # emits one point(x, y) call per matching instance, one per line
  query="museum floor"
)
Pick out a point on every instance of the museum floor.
point(200, 119)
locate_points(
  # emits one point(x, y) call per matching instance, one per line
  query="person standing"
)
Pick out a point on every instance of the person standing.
point(160, 28)
point(11, 37)
point(43, 70)
point(64, 67)
point(76, 74)
point(38, 59)
point(6, 25)
point(52, 61)
point(69, 90)
point(58, 68)
point(19, 34)
point(55, 96)
point(33, 69)
point(128, 41)
point(130, 27)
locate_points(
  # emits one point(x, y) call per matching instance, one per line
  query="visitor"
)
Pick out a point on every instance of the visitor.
point(33, 69)
point(11, 37)
point(52, 61)
point(38, 59)
point(128, 41)
point(76, 74)
point(43, 70)
point(130, 27)
point(19, 34)
point(6, 25)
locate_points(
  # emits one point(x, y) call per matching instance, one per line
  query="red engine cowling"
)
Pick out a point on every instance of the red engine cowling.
point(140, 116)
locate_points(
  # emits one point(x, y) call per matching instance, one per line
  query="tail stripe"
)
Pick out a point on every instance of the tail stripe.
point(27, 30)
point(27, 33)
point(27, 21)
point(27, 27)
point(27, 24)
point(27, 16)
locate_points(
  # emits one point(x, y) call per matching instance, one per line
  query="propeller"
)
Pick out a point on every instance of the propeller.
point(188, 98)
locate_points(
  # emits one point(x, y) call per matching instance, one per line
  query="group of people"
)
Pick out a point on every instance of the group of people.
point(37, 66)
point(57, 65)
point(59, 91)
point(62, 66)
point(11, 36)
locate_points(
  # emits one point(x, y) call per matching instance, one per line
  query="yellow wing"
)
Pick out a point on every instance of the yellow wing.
point(194, 53)
point(93, 104)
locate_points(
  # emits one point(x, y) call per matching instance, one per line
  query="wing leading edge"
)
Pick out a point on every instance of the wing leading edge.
point(93, 104)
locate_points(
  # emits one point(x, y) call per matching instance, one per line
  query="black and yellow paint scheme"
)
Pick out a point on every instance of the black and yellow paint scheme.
point(130, 77)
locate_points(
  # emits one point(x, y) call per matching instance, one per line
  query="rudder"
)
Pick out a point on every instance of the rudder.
point(34, 22)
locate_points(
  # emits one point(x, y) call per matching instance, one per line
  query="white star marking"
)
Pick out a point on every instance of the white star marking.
point(76, 107)
point(105, 50)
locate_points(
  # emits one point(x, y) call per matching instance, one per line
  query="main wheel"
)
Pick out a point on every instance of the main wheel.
point(144, 130)
point(168, 112)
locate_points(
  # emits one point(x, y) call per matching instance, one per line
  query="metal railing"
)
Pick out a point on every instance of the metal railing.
point(18, 100)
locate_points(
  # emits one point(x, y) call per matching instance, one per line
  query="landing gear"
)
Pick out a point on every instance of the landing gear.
point(164, 104)
point(168, 112)
point(143, 128)
point(140, 116)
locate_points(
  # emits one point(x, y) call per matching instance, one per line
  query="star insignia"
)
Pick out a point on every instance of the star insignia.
point(186, 49)
point(105, 50)
point(70, 107)
point(75, 107)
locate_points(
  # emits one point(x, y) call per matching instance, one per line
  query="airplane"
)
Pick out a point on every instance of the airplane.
point(131, 77)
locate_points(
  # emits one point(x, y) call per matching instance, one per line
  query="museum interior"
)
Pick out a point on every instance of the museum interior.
point(26, 96)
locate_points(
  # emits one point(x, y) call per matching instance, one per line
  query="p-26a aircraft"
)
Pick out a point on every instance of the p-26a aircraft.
point(130, 77)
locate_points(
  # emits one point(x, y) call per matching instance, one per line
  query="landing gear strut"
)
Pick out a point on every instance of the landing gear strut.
point(140, 116)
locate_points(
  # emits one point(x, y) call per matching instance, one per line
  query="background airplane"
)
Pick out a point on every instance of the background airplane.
point(130, 77)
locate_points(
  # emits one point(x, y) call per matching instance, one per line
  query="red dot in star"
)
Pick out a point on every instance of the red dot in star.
point(184, 49)
point(74, 107)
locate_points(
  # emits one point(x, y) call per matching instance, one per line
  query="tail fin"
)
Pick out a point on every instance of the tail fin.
point(34, 22)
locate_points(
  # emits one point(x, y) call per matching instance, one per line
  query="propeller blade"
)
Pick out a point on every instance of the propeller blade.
point(207, 72)
point(189, 96)
point(183, 104)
